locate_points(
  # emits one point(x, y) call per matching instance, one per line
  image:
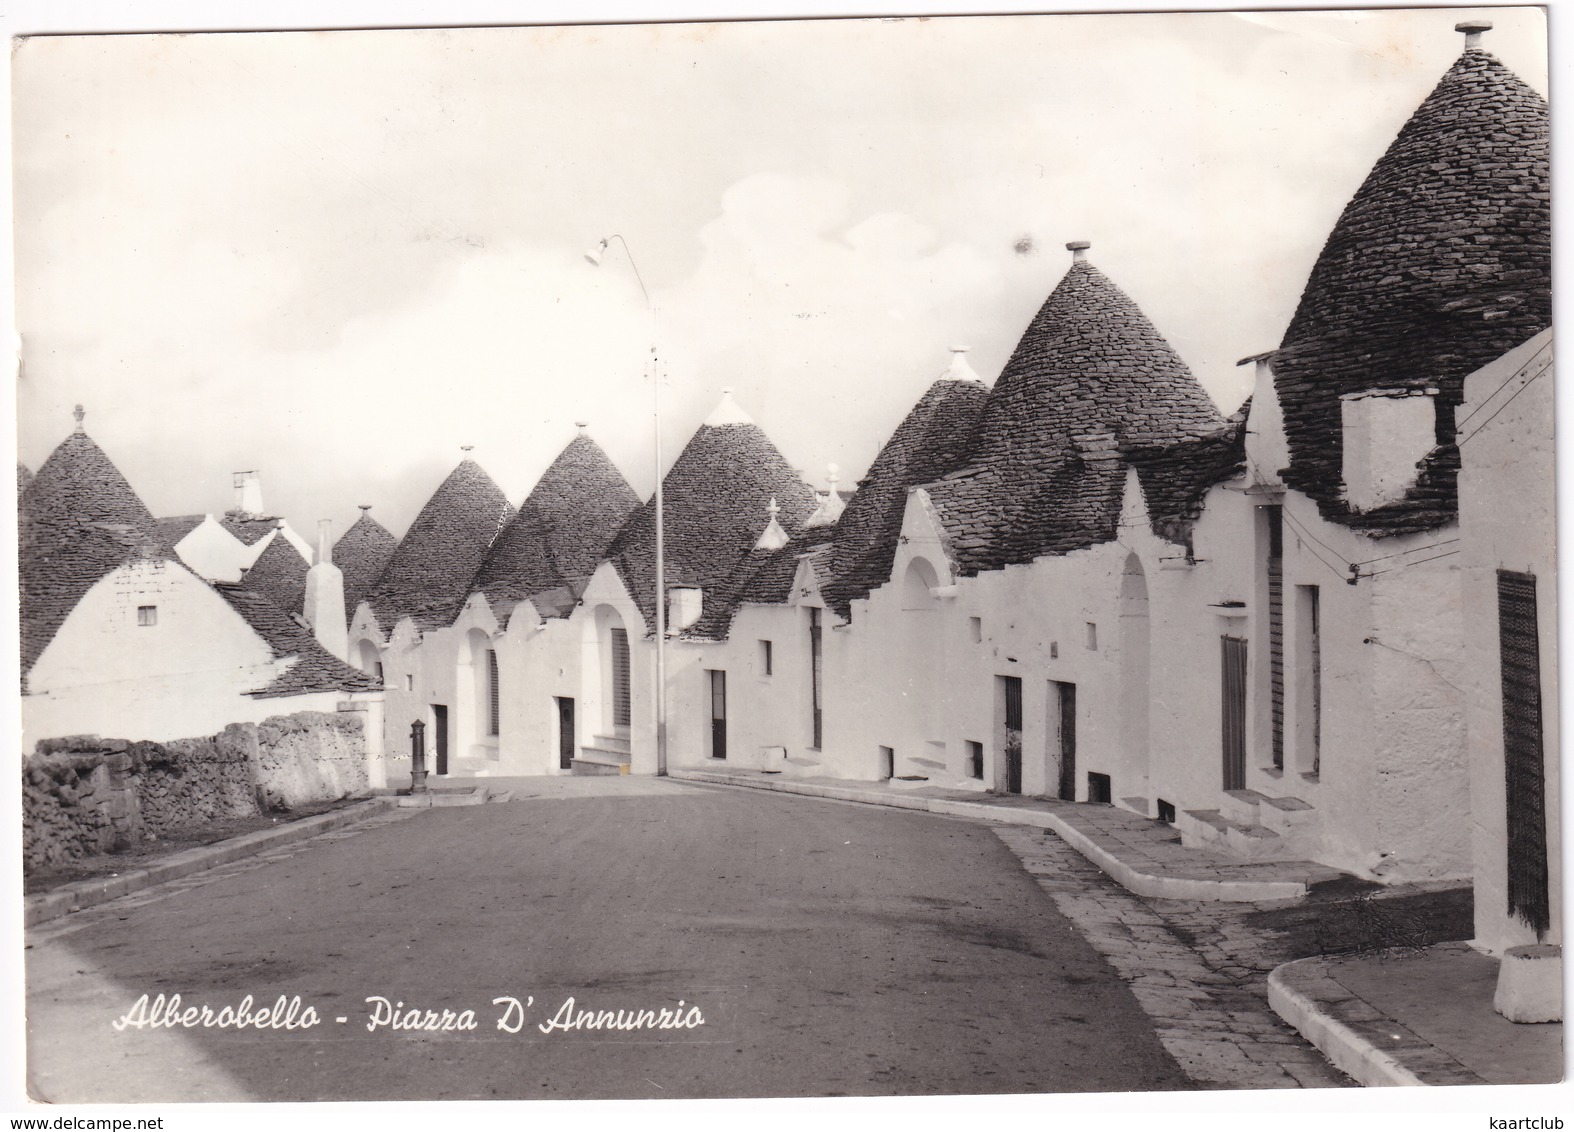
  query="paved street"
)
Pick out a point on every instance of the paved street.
point(831, 949)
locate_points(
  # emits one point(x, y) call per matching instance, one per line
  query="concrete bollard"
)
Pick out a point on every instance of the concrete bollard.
point(1530, 984)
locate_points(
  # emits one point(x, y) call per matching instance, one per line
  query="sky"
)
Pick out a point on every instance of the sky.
point(340, 257)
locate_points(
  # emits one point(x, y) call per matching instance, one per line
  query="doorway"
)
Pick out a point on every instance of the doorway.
point(718, 713)
point(1063, 738)
point(1233, 699)
point(440, 737)
point(565, 732)
point(1011, 733)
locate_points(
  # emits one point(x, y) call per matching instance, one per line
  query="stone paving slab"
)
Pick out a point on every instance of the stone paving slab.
point(1143, 855)
point(1219, 1029)
point(1347, 1006)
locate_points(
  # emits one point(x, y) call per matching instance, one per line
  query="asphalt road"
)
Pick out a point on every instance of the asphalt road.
point(831, 950)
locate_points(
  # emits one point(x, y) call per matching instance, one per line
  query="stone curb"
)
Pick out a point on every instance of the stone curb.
point(1123, 873)
point(1353, 1034)
point(42, 907)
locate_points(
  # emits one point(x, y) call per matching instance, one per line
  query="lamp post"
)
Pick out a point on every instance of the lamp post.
point(594, 257)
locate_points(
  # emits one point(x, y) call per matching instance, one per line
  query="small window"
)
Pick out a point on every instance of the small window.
point(765, 658)
point(147, 615)
point(975, 759)
point(1054, 650)
point(887, 762)
point(1093, 636)
point(975, 628)
point(1166, 812)
point(409, 682)
point(1099, 789)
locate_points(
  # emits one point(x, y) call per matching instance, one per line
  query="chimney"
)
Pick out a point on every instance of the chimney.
point(248, 493)
point(1078, 250)
point(324, 605)
point(684, 606)
point(1473, 30)
point(1387, 433)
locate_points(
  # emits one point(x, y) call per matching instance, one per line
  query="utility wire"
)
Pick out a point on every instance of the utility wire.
point(1407, 565)
point(1516, 374)
point(1505, 404)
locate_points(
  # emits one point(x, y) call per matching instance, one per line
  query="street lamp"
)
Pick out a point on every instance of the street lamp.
point(594, 257)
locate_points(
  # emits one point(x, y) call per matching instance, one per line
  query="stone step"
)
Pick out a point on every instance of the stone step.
point(609, 743)
point(1253, 842)
point(1286, 815)
point(588, 766)
point(1210, 829)
point(1240, 806)
point(1137, 806)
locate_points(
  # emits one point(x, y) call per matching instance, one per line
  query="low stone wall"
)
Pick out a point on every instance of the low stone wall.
point(83, 795)
point(311, 756)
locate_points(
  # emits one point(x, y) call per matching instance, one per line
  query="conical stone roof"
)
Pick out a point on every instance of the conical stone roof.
point(24, 476)
point(1440, 263)
point(562, 530)
point(279, 574)
point(1091, 383)
point(361, 554)
point(428, 575)
point(717, 494)
point(77, 521)
point(935, 439)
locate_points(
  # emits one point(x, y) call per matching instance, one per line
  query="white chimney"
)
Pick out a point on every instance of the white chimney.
point(248, 493)
point(1387, 433)
point(684, 605)
point(324, 606)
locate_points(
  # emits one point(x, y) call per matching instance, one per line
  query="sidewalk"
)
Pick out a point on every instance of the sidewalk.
point(1422, 1017)
point(1143, 855)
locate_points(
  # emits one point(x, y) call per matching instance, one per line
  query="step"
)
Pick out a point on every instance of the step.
point(1286, 815)
point(590, 766)
point(1137, 806)
point(1253, 842)
point(615, 743)
point(1201, 827)
point(1241, 806)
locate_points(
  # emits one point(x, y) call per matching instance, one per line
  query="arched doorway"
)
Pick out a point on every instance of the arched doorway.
point(368, 658)
point(1134, 686)
point(922, 666)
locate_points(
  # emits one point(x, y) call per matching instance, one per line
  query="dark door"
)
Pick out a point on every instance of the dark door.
point(440, 736)
point(620, 677)
point(1233, 698)
point(565, 732)
point(814, 676)
point(1066, 734)
point(1524, 772)
point(1011, 686)
point(718, 714)
point(1275, 519)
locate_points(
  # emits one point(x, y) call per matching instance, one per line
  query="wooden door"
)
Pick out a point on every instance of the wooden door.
point(440, 736)
point(1524, 770)
point(718, 714)
point(1066, 739)
point(1233, 706)
point(565, 732)
point(1011, 720)
point(815, 668)
point(621, 713)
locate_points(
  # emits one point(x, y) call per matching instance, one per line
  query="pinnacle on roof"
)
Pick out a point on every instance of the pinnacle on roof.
point(562, 529)
point(959, 370)
point(362, 554)
point(772, 537)
point(1440, 263)
point(77, 521)
point(933, 440)
point(429, 573)
point(715, 498)
point(279, 574)
point(830, 507)
point(727, 412)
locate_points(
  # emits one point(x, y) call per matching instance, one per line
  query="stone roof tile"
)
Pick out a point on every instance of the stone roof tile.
point(1440, 263)
point(428, 575)
point(361, 554)
point(315, 669)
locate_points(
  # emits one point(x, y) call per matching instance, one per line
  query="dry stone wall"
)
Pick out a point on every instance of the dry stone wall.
point(84, 795)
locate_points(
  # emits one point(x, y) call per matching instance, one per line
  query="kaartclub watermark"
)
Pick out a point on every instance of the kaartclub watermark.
point(508, 1014)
